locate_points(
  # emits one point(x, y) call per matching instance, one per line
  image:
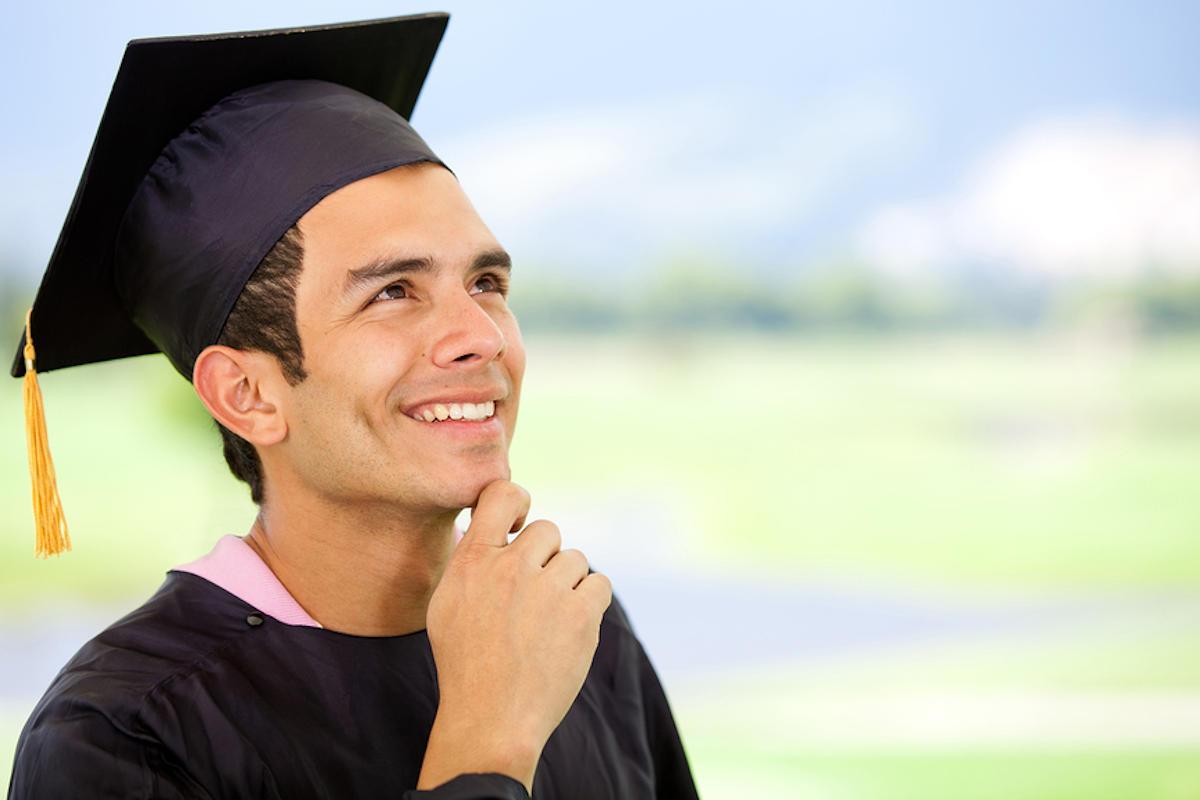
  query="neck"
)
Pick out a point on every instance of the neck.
point(356, 570)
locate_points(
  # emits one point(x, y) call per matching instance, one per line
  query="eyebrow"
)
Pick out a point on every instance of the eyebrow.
point(390, 267)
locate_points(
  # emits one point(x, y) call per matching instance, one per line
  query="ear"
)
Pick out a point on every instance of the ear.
point(238, 387)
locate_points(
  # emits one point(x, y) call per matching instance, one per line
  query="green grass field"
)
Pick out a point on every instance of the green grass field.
point(949, 775)
point(1047, 464)
point(1039, 461)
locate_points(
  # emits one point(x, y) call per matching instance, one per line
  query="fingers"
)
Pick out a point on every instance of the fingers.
point(500, 510)
point(538, 542)
point(597, 589)
point(567, 567)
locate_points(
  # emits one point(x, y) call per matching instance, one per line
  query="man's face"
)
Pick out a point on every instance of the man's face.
point(401, 306)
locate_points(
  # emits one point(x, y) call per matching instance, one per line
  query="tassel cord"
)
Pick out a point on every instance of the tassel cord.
point(49, 521)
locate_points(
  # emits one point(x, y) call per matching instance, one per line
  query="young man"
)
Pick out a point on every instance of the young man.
point(299, 253)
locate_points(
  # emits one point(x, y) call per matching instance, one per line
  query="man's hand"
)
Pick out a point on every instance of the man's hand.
point(514, 628)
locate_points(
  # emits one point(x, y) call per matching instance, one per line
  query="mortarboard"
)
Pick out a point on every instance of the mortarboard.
point(208, 151)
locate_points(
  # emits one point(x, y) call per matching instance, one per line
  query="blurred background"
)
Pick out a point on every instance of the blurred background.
point(864, 357)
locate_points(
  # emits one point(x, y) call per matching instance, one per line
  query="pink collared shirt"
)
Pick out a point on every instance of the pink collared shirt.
point(235, 567)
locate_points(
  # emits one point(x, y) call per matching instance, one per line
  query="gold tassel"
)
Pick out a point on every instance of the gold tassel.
point(52, 535)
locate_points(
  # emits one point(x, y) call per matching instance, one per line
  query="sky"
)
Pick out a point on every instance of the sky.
point(1059, 138)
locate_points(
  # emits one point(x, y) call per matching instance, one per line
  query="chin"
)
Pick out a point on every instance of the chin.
point(465, 492)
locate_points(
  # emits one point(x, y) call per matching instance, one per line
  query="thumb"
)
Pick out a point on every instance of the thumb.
point(500, 510)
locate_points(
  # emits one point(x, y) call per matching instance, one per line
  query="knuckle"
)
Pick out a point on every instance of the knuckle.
point(546, 529)
point(503, 490)
point(577, 556)
point(515, 492)
point(605, 584)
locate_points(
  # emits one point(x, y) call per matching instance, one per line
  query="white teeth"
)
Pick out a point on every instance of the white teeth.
point(467, 411)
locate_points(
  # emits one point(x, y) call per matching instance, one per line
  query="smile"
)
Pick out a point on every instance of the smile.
point(468, 412)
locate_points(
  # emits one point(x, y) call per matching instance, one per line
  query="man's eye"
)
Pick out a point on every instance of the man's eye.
point(492, 282)
point(386, 293)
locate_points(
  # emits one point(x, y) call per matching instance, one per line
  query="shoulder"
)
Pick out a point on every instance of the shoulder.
point(620, 658)
point(177, 630)
point(92, 709)
point(186, 620)
point(615, 616)
point(619, 647)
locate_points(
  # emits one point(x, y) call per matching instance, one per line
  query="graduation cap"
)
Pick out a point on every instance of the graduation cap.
point(210, 148)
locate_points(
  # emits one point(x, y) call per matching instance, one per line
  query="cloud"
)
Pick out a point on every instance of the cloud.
point(1092, 195)
point(716, 168)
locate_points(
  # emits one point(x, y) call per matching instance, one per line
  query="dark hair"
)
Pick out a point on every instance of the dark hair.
point(264, 319)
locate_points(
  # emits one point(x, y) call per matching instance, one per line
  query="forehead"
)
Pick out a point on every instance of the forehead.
point(414, 211)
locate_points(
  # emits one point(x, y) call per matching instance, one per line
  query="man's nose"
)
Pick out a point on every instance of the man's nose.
point(467, 333)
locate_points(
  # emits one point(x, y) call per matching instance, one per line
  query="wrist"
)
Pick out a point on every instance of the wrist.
point(459, 744)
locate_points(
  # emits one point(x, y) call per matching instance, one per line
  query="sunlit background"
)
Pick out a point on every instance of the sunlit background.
point(864, 357)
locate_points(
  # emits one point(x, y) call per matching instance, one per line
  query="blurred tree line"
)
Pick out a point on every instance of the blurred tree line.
point(686, 295)
point(852, 297)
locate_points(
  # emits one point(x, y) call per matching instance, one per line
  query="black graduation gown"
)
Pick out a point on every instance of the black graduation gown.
point(197, 694)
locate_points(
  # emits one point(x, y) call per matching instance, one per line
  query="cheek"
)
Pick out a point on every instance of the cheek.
point(517, 368)
point(352, 386)
point(514, 357)
point(376, 358)
point(514, 360)
point(320, 408)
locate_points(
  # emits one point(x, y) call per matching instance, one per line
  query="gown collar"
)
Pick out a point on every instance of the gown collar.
point(235, 567)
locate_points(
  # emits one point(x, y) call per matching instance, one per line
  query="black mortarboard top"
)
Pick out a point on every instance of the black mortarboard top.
point(209, 149)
